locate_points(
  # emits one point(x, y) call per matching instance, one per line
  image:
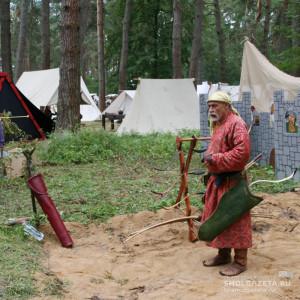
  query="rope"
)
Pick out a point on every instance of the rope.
point(15, 117)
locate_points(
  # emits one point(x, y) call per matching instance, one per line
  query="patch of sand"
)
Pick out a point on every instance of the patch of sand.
point(163, 264)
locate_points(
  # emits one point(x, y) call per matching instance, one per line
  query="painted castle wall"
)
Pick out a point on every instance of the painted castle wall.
point(287, 144)
point(269, 131)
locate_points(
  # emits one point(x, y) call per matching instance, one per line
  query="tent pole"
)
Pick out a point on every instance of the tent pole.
point(28, 155)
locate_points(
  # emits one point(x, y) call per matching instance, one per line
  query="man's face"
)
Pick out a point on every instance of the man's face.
point(292, 118)
point(217, 111)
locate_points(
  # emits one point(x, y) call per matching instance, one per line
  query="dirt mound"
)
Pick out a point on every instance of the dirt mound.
point(163, 264)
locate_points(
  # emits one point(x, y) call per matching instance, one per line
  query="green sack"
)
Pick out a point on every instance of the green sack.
point(232, 206)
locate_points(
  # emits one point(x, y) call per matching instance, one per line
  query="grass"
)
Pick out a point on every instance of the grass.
point(20, 258)
point(92, 176)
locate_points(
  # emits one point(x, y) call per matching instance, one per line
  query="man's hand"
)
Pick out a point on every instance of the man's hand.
point(207, 159)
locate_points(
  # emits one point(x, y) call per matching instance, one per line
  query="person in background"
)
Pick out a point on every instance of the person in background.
point(48, 112)
point(225, 158)
point(291, 125)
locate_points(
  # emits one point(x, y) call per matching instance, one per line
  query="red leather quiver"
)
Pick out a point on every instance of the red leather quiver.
point(37, 185)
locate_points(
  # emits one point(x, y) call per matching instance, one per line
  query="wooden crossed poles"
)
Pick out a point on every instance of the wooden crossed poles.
point(184, 167)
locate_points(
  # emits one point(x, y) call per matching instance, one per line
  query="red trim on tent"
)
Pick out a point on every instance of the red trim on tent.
point(2, 79)
point(1, 83)
point(31, 117)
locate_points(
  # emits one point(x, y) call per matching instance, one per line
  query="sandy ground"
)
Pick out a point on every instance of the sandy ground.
point(163, 264)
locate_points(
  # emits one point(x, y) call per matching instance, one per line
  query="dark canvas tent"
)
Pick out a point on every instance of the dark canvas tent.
point(28, 118)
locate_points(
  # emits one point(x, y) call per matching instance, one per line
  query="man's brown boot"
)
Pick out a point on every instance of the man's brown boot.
point(239, 264)
point(223, 257)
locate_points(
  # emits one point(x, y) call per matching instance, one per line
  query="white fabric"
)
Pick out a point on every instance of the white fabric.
point(89, 113)
point(109, 96)
point(41, 88)
point(232, 90)
point(122, 102)
point(163, 105)
point(203, 89)
point(262, 79)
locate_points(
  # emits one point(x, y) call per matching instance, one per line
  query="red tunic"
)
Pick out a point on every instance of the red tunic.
point(230, 149)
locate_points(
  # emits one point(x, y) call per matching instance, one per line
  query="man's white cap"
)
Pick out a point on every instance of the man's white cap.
point(220, 96)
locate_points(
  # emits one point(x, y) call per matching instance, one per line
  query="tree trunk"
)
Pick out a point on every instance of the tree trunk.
point(22, 48)
point(250, 24)
point(124, 51)
point(101, 66)
point(176, 38)
point(155, 72)
point(84, 22)
point(296, 33)
point(265, 41)
point(296, 27)
point(30, 38)
point(45, 35)
point(6, 37)
point(280, 39)
point(68, 107)
point(221, 42)
point(196, 52)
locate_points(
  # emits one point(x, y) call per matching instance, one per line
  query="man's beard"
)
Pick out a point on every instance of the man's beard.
point(214, 117)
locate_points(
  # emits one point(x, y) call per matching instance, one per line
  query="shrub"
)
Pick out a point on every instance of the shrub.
point(89, 146)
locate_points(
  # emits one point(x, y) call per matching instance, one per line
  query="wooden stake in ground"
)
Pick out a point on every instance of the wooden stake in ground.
point(28, 152)
point(2, 164)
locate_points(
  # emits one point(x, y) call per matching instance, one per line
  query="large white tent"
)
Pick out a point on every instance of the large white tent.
point(163, 105)
point(208, 88)
point(121, 103)
point(41, 88)
point(262, 79)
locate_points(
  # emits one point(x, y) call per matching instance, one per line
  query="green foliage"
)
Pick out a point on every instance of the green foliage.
point(92, 83)
point(21, 260)
point(150, 38)
point(288, 60)
point(11, 129)
point(89, 146)
point(257, 173)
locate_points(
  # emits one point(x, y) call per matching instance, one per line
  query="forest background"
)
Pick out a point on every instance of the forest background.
point(119, 41)
point(149, 39)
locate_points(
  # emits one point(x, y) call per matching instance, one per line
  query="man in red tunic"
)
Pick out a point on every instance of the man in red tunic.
point(225, 158)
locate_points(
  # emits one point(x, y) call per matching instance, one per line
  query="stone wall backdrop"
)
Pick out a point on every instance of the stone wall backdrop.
point(269, 134)
point(262, 137)
point(204, 126)
point(287, 138)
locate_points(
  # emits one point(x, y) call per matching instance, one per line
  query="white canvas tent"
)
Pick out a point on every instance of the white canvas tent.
point(122, 102)
point(206, 88)
point(162, 105)
point(41, 88)
point(89, 113)
point(232, 90)
point(203, 89)
point(262, 79)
